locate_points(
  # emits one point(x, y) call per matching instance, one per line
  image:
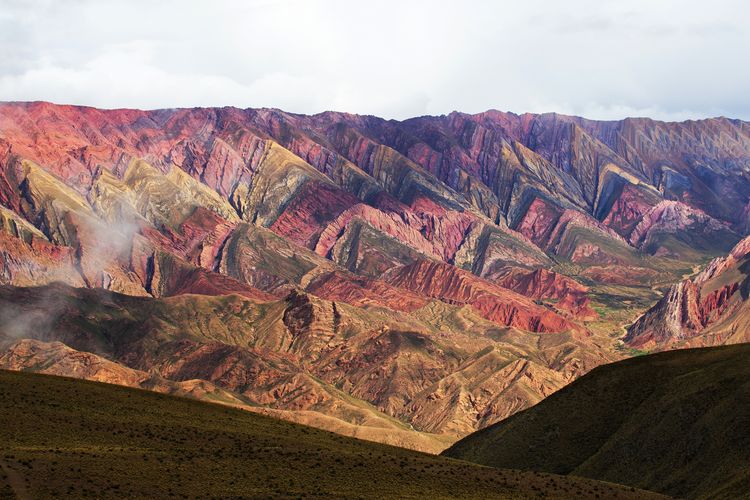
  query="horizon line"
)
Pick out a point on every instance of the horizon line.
point(367, 115)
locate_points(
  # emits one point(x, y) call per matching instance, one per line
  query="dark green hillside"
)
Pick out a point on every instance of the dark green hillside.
point(676, 422)
point(61, 437)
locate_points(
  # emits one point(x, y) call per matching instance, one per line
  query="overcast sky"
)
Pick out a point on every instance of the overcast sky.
point(601, 59)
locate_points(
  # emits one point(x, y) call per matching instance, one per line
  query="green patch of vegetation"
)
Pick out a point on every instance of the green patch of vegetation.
point(630, 352)
point(69, 438)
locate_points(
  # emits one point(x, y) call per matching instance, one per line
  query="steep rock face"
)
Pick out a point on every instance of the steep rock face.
point(221, 166)
point(571, 234)
point(36, 262)
point(497, 304)
point(720, 264)
point(429, 229)
point(262, 259)
point(572, 225)
point(598, 251)
point(490, 159)
point(362, 292)
point(256, 180)
point(462, 145)
point(71, 228)
point(201, 238)
point(169, 199)
point(292, 132)
point(698, 162)
point(401, 177)
point(677, 316)
point(390, 224)
point(698, 230)
point(15, 226)
point(570, 296)
point(707, 310)
point(367, 251)
point(168, 276)
point(309, 212)
point(41, 198)
point(539, 221)
point(280, 175)
point(693, 162)
point(147, 233)
point(487, 249)
point(628, 208)
point(445, 228)
point(422, 194)
point(478, 156)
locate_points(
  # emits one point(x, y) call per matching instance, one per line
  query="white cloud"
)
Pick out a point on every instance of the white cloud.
point(602, 59)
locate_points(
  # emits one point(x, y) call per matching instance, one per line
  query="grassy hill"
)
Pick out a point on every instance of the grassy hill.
point(675, 422)
point(62, 437)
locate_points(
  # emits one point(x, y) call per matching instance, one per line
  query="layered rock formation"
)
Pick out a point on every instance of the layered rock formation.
point(338, 366)
point(427, 277)
point(55, 358)
point(709, 309)
point(448, 283)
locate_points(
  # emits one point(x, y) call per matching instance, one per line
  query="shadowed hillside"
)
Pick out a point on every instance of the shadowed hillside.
point(68, 438)
point(365, 372)
point(675, 422)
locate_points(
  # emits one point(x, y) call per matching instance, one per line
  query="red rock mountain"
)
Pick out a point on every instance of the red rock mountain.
point(709, 309)
point(403, 281)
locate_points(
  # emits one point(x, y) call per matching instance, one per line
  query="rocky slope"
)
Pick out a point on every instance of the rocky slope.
point(55, 358)
point(709, 309)
point(428, 277)
point(344, 367)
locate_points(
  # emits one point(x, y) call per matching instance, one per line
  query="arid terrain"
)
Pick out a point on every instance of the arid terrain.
point(408, 282)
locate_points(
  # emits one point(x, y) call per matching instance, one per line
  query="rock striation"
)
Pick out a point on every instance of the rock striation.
point(410, 281)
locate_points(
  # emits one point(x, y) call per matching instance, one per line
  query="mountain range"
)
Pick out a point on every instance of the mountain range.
point(407, 282)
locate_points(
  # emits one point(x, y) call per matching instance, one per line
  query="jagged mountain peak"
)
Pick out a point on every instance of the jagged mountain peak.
point(380, 269)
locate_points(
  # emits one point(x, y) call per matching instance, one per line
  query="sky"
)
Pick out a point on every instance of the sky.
point(670, 60)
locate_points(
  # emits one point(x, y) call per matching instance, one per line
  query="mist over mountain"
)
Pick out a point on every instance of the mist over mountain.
point(403, 281)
